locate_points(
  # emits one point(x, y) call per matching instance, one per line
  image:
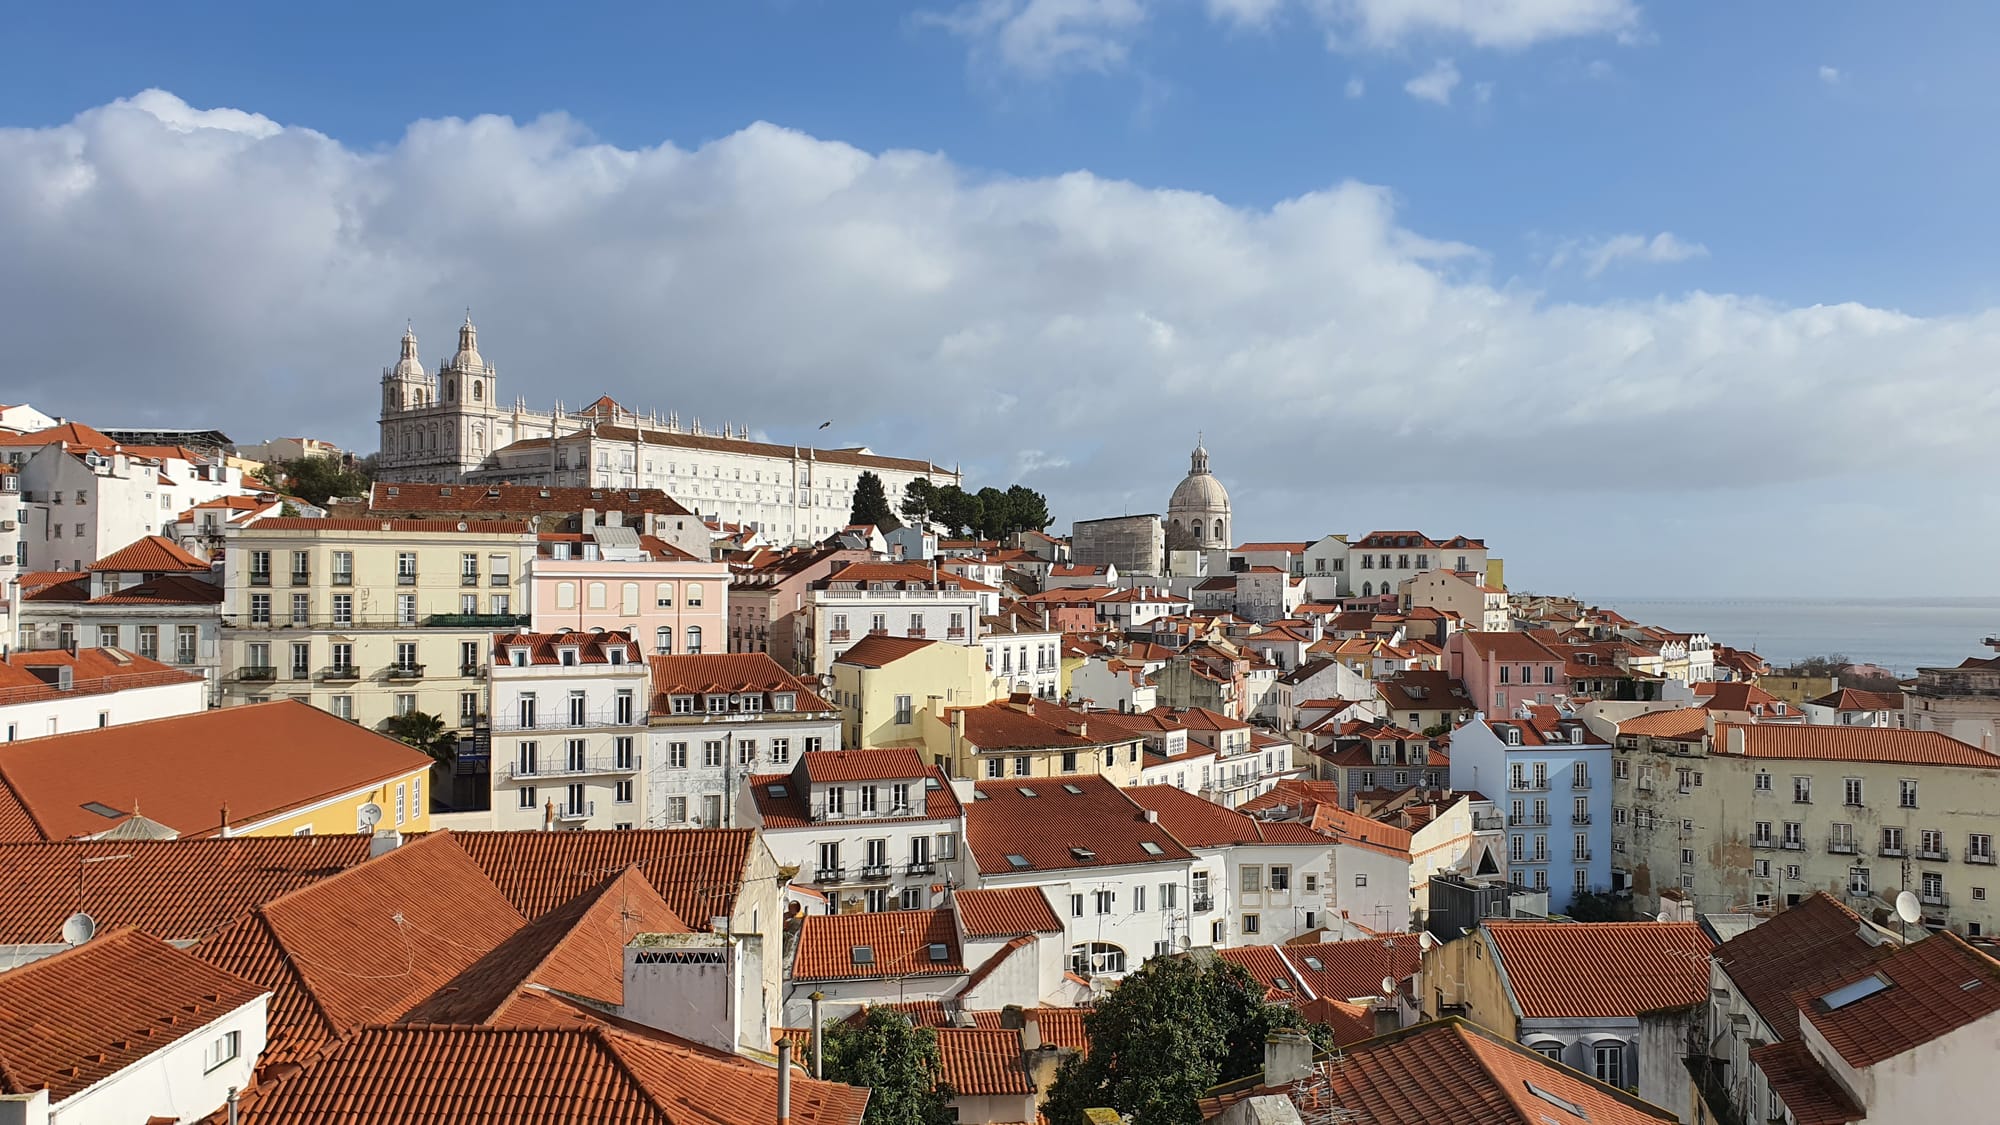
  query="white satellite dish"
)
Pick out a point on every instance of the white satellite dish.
point(1664, 916)
point(1388, 986)
point(368, 816)
point(1908, 908)
point(79, 928)
point(1426, 942)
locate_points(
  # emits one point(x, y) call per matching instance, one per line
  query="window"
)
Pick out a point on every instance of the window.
point(406, 568)
point(1251, 881)
point(1253, 924)
point(1361, 880)
point(402, 800)
point(711, 754)
point(260, 609)
point(1761, 834)
point(781, 750)
point(524, 797)
point(1281, 877)
point(1802, 790)
point(1139, 899)
point(836, 799)
point(1763, 782)
point(1076, 906)
point(1096, 957)
point(1907, 798)
point(343, 568)
point(1979, 848)
point(694, 640)
point(1608, 1064)
point(1106, 900)
point(677, 813)
point(343, 609)
point(222, 1049)
point(663, 640)
point(1795, 837)
point(694, 595)
point(1853, 788)
point(1760, 868)
point(903, 710)
point(1892, 841)
point(677, 755)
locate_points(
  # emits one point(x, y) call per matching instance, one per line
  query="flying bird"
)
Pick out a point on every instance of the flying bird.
point(824, 425)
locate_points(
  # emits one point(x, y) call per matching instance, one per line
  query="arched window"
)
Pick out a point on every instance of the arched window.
point(477, 393)
point(694, 640)
point(565, 595)
point(663, 640)
point(693, 595)
point(663, 594)
point(1367, 589)
point(451, 390)
point(597, 595)
point(1096, 957)
point(628, 599)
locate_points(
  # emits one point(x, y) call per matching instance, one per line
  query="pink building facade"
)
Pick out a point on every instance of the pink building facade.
point(670, 606)
point(1502, 671)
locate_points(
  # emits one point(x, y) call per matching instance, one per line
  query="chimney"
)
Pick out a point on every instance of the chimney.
point(785, 1081)
point(1735, 740)
point(1031, 1033)
point(1152, 816)
point(1287, 1057)
point(1386, 1019)
point(383, 842)
point(819, 1036)
point(548, 816)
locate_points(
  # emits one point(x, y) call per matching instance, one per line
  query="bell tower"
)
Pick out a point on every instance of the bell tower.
point(406, 389)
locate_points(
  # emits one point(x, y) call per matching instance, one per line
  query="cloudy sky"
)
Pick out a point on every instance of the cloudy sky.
point(1673, 299)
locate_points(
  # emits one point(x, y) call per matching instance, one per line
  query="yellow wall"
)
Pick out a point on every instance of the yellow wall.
point(959, 760)
point(955, 674)
point(1467, 972)
point(337, 817)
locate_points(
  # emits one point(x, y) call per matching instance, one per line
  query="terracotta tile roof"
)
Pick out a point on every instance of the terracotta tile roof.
point(905, 575)
point(180, 890)
point(72, 1020)
point(256, 761)
point(1003, 911)
point(167, 589)
point(1348, 970)
point(783, 800)
point(545, 649)
point(152, 554)
point(1810, 1095)
point(365, 945)
point(1350, 1023)
point(576, 949)
point(1933, 987)
point(726, 672)
point(1854, 699)
point(1201, 718)
point(472, 499)
point(1267, 967)
point(697, 871)
point(1805, 945)
point(1512, 648)
point(1294, 548)
point(899, 941)
point(70, 433)
point(1735, 696)
point(1200, 823)
point(55, 586)
point(981, 1062)
point(881, 650)
point(1854, 744)
point(998, 726)
point(1056, 829)
point(1574, 970)
point(1295, 794)
point(1682, 724)
point(1360, 831)
point(93, 671)
point(443, 1075)
point(863, 765)
point(1453, 1071)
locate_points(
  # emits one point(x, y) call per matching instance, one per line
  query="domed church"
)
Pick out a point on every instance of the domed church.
point(1201, 505)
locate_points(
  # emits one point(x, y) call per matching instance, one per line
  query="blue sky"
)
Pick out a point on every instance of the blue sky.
point(1435, 218)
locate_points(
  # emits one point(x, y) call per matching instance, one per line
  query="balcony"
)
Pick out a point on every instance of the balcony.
point(341, 672)
point(483, 622)
point(1579, 818)
point(837, 634)
point(874, 871)
point(301, 672)
point(476, 621)
point(499, 580)
point(1890, 851)
point(260, 578)
point(1582, 854)
point(1934, 898)
point(1793, 845)
point(468, 580)
point(954, 634)
point(1839, 846)
point(472, 671)
point(920, 867)
point(829, 874)
point(1527, 820)
point(588, 767)
point(1762, 842)
point(301, 578)
point(573, 812)
point(1530, 785)
point(406, 671)
point(1935, 855)
point(915, 634)
point(343, 578)
point(1202, 904)
point(1487, 822)
point(406, 580)
point(257, 672)
point(1979, 857)
point(568, 720)
point(1579, 784)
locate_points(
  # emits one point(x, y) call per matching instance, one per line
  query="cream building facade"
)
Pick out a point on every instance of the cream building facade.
point(368, 618)
point(451, 427)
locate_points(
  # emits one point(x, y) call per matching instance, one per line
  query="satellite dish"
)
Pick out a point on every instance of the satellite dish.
point(79, 928)
point(1908, 908)
point(1664, 916)
point(368, 816)
point(1426, 942)
point(1388, 986)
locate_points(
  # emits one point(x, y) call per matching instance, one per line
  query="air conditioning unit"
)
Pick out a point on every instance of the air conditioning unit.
point(6, 560)
point(7, 525)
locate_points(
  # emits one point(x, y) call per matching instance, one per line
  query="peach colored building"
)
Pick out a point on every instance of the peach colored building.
point(671, 603)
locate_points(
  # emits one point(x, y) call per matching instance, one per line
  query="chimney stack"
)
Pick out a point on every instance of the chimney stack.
point(785, 1081)
point(819, 1036)
point(1287, 1057)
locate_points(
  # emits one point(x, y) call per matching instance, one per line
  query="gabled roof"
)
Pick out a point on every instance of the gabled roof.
point(180, 890)
point(1348, 970)
point(72, 1020)
point(1854, 699)
point(1832, 743)
point(1073, 823)
point(545, 649)
point(69, 433)
point(879, 650)
point(1574, 970)
point(1680, 725)
point(365, 945)
point(576, 949)
point(1930, 989)
point(427, 1074)
point(731, 672)
point(983, 1062)
point(898, 943)
point(152, 554)
point(697, 871)
point(1508, 647)
point(1735, 695)
point(1423, 689)
point(1200, 823)
point(1360, 831)
point(1810, 1095)
point(863, 765)
point(167, 589)
point(1005, 911)
point(93, 671)
point(1771, 963)
point(255, 762)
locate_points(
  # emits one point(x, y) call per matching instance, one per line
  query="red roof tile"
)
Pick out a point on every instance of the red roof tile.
point(1353, 828)
point(1348, 970)
point(545, 649)
point(1513, 648)
point(1933, 988)
point(393, 526)
point(728, 672)
point(438, 1075)
point(879, 650)
point(154, 554)
point(1810, 1095)
point(783, 801)
point(1854, 699)
point(1854, 744)
point(697, 871)
point(1805, 945)
point(72, 1020)
point(1005, 911)
point(472, 499)
point(1200, 823)
point(1575, 970)
point(256, 761)
point(167, 589)
point(981, 1062)
point(1267, 967)
point(1056, 829)
point(863, 765)
point(1681, 725)
point(180, 890)
point(92, 672)
point(899, 944)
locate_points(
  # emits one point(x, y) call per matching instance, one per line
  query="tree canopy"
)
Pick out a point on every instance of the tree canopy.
point(871, 502)
point(989, 513)
point(315, 479)
point(897, 1061)
point(426, 732)
point(1164, 1037)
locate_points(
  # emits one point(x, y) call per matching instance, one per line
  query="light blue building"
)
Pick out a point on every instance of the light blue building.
point(1552, 779)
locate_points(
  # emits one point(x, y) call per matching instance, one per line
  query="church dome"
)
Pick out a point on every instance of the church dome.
point(1200, 505)
point(468, 358)
point(1200, 492)
point(409, 366)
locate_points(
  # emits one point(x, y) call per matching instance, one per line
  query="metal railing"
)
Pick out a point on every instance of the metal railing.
point(1979, 857)
point(563, 767)
point(829, 874)
point(341, 672)
point(483, 621)
point(564, 720)
point(583, 811)
point(1529, 785)
point(1579, 818)
point(1938, 898)
point(406, 671)
point(1792, 845)
point(1528, 820)
point(1203, 903)
point(1838, 846)
point(920, 867)
point(257, 672)
point(1938, 855)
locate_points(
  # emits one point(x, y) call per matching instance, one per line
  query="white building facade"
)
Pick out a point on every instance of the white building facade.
point(568, 727)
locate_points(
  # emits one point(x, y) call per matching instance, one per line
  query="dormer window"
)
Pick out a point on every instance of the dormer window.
point(567, 656)
point(752, 702)
point(784, 701)
point(683, 704)
point(518, 657)
point(615, 654)
point(718, 704)
point(1512, 735)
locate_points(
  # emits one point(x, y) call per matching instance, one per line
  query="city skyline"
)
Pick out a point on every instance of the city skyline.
point(1724, 332)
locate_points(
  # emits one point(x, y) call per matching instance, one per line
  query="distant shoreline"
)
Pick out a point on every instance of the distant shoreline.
point(1898, 633)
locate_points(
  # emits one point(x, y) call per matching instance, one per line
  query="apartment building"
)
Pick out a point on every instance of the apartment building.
point(715, 721)
point(1504, 671)
point(1962, 701)
point(567, 727)
point(84, 494)
point(370, 618)
point(1022, 737)
point(1554, 777)
point(870, 829)
point(883, 685)
point(150, 597)
point(770, 606)
point(55, 691)
point(893, 599)
point(614, 578)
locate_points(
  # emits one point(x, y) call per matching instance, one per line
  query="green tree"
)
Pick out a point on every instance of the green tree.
point(426, 732)
point(871, 501)
point(1027, 510)
point(992, 522)
point(1168, 1033)
point(920, 499)
point(1596, 907)
point(897, 1061)
point(957, 511)
point(317, 479)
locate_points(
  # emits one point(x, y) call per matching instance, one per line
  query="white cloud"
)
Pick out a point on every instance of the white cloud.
point(1243, 13)
point(155, 276)
point(1830, 75)
point(1356, 87)
point(1597, 255)
point(1435, 84)
point(1498, 24)
point(1040, 38)
point(1482, 92)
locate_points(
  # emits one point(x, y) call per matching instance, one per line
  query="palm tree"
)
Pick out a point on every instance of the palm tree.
point(425, 732)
